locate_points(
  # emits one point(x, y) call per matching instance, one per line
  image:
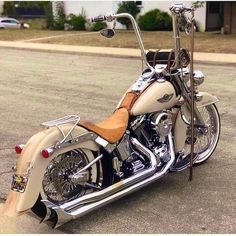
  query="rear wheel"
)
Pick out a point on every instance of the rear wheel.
point(60, 186)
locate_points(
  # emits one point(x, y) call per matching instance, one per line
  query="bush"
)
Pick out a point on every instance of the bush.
point(98, 26)
point(155, 20)
point(76, 22)
point(60, 18)
point(127, 7)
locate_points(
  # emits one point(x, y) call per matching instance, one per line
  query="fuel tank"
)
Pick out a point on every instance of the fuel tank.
point(158, 96)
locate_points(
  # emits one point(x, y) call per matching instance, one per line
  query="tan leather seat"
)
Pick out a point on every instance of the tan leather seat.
point(112, 128)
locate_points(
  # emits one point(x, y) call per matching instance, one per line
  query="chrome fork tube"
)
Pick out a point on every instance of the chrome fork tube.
point(176, 37)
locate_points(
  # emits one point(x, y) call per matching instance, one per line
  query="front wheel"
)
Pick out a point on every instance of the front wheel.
point(205, 142)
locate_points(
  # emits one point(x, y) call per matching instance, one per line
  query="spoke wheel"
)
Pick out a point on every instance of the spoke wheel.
point(205, 142)
point(58, 185)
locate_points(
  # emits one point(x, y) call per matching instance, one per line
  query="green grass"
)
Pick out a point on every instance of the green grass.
point(204, 42)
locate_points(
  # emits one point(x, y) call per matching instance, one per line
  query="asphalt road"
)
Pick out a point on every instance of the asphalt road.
point(36, 87)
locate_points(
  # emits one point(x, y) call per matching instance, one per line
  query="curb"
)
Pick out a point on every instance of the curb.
point(105, 52)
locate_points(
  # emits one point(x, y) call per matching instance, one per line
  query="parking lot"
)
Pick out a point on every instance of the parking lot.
point(40, 86)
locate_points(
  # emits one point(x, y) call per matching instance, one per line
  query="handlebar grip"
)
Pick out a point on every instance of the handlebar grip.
point(98, 18)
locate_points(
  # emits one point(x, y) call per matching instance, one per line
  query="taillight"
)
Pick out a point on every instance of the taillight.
point(19, 148)
point(47, 152)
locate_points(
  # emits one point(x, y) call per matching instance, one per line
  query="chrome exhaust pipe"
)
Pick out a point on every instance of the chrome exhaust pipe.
point(90, 202)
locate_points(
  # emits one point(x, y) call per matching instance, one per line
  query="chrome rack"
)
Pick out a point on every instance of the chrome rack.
point(61, 121)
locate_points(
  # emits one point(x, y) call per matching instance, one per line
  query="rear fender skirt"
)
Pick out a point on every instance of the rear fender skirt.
point(31, 161)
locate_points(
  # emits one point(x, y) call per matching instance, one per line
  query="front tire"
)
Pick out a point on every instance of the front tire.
point(214, 127)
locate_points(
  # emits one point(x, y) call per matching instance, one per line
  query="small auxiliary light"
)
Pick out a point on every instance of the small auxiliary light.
point(19, 148)
point(46, 153)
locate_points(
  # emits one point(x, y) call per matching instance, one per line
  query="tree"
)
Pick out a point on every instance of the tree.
point(60, 16)
point(48, 14)
point(128, 7)
point(155, 20)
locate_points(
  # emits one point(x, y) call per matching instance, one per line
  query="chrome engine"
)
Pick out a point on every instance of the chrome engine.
point(152, 131)
point(161, 124)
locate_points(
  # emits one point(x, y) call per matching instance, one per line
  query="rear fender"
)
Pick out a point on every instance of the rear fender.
point(181, 127)
point(31, 161)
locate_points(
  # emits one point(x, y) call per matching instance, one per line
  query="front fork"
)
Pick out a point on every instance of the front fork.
point(186, 94)
point(199, 122)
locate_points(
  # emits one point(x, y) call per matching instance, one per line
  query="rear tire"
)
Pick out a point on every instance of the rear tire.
point(57, 185)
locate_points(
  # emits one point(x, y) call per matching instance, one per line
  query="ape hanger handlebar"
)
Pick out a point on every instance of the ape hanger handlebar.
point(113, 17)
point(177, 10)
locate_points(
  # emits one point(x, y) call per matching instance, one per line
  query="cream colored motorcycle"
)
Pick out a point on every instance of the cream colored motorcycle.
point(74, 166)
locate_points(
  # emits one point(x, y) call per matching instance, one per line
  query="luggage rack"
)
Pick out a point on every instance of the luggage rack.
point(61, 121)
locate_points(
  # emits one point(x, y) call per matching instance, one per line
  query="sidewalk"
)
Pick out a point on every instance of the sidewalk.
point(212, 58)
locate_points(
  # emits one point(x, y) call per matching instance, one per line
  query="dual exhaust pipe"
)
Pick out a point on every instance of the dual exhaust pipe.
point(60, 214)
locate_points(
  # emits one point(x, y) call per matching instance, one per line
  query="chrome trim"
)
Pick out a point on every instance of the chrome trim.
point(74, 209)
point(83, 138)
point(198, 77)
point(165, 98)
point(61, 121)
point(143, 81)
point(117, 186)
point(110, 17)
point(88, 166)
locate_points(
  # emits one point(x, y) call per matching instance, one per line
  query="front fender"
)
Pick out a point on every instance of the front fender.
point(31, 161)
point(181, 127)
point(207, 99)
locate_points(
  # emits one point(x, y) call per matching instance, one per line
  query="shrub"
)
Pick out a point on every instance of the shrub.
point(128, 7)
point(77, 22)
point(60, 17)
point(155, 20)
point(98, 26)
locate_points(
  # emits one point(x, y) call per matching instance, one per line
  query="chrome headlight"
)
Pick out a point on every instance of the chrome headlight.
point(198, 77)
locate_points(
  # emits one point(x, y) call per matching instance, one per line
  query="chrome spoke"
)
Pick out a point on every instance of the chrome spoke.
point(57, 185)
point(206, 142)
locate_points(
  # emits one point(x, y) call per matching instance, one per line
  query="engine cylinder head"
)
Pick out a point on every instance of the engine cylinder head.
point(162, 124)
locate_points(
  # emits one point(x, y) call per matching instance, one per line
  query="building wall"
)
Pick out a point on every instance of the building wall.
point(94, 8)
point(1, 7)
point(229, 17)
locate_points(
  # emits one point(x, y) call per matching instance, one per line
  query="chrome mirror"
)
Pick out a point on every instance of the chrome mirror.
point(108, 33)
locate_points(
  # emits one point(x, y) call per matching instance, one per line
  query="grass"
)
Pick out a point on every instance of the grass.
point(36, 23)
point(204, 42)
point(19, 34)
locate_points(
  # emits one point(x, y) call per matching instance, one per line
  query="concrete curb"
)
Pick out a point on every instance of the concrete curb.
point(202, 58)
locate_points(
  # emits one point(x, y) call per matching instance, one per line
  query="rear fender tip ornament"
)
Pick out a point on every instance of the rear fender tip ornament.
point(19, 148)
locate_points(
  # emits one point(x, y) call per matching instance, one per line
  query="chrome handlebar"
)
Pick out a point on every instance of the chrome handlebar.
point(112, 17)
point(176, 10)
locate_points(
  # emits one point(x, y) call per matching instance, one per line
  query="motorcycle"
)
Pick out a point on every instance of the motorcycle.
point(74, 166)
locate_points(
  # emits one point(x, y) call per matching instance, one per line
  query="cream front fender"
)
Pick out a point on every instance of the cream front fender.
point(31, 161)
point(181, 127)
point(207, 99)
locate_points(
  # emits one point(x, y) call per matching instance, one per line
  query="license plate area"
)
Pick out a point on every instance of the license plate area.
point(19, 183)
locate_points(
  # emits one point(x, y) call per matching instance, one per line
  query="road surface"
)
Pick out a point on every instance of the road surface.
point(39, 86)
